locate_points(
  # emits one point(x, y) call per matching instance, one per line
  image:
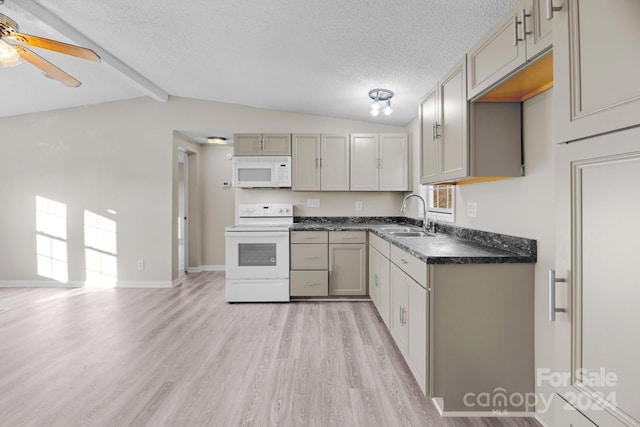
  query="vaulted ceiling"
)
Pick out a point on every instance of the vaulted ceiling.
point(310, 56)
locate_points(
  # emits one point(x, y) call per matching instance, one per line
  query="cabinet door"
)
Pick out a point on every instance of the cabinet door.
point(596, 61)
point(364, 162)
point(379, 283)
point(597, 183)
point(454, 139)
point(428, 139)
point(247, 144)
point(305, 162)
point(276, 144)
point(499, 53)
point(538, 29)
point(347, 269)
point(394, 162)
point(397, 315)
point(417, 331)
point(334, 155)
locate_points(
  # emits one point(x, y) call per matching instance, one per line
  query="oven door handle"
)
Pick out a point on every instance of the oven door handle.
point(256, 235)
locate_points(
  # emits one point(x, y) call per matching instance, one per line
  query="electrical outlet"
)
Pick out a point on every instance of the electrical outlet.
point(358, 205)
point(140, 264)
point(313, 203)
point(472, 209)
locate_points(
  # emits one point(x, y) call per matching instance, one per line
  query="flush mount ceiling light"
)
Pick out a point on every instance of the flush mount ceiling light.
point(380, 96)
point(216, 140)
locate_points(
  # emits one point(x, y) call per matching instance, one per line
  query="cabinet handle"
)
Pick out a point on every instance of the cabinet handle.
point(435, 131)
point(551, 8)
point(404, 261)
point(311, 283)
point(525, 15)
point(320, 161)
point(375, 279)
point(317, 162)
point(400, 311)
point(516, 39)
point(552, 296)
point(311, 257)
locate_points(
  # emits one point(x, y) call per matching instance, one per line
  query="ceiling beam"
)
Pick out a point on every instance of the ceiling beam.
point(58, 24)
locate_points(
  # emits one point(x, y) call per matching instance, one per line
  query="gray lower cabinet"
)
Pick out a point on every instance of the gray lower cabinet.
point(379, 275)
point(327, 263)
point(347, 263)
point(309, 261)
point(409, 320)
point(465, 330)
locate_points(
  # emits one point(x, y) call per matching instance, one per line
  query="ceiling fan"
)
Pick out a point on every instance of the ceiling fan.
point(10, 53)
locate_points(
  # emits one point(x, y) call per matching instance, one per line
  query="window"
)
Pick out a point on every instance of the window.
point(51, 239)
point(441, 201)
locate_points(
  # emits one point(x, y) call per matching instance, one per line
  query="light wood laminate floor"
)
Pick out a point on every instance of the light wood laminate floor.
point(182, 356)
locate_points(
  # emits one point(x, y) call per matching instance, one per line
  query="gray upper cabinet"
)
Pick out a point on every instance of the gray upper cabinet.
point(305, 171)
point(320, 162)
point(462, 141)
point(523, 34)
point(428, 152)
point(257, 144)
point(444, 128)
point(596, 61)
point(379, 162)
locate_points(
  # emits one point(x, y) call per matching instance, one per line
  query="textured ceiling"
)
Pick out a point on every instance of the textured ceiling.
point(311, 56)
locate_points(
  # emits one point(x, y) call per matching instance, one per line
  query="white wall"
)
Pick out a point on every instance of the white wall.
point(119, 156)
point(218, 204)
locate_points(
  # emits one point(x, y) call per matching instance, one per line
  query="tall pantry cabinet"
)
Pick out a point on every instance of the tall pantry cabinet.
point(593, 291)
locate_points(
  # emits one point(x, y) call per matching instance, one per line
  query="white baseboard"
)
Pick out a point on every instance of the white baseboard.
point(205, 268)
point(439, 404)
point(82, 284)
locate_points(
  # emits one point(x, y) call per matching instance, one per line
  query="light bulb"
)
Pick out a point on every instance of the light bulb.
point(374, 112)
point(388, 110)
point(8, 55)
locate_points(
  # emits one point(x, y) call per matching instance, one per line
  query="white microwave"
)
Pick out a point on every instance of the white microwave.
point(262, 171)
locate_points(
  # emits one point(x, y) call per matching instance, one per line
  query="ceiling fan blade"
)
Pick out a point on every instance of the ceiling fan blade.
point(56, 46)
point(47, 67)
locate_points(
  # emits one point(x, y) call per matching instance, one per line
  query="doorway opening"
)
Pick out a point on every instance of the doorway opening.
point(183, 212)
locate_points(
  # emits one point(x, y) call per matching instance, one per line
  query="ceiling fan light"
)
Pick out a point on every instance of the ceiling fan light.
point(9, 56)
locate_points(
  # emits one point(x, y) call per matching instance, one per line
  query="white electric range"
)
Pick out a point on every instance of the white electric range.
point(257, 254)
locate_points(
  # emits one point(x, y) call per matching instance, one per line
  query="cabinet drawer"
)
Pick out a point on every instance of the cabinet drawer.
point(380, 244)
point(347, 237)
point(309, 283)
point(309, 237)
point(309, 257)
point(411, 265)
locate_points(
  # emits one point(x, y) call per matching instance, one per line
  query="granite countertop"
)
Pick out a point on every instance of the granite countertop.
point(450, 245)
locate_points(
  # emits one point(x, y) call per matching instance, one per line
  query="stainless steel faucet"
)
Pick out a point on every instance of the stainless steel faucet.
point(427, 225)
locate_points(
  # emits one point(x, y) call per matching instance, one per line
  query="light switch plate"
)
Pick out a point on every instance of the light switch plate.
point(313, 203)
point(358, 205)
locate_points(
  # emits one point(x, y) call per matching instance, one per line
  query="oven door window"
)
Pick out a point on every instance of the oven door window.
point(257, 254)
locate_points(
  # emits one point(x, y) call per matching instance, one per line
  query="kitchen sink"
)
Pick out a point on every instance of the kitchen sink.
point(410, 234)
point(397, 229)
